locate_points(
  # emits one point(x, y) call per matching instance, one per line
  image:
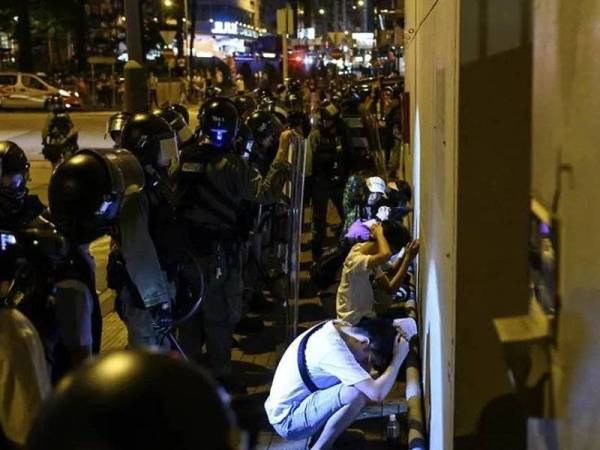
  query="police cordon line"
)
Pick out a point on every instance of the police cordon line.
point(201, 222)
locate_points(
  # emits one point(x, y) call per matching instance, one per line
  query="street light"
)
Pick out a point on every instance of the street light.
point(168, 3)
point(361, 3)
point(321, 11)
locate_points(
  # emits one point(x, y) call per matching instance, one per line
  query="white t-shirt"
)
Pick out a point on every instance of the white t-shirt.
point(24, 375)
point(355, 296)
point(329, 362)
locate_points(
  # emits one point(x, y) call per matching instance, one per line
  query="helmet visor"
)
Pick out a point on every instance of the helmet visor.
point(185, 133)
point(168, 150)
point(12, 185)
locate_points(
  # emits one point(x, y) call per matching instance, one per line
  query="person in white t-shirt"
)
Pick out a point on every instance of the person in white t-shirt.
point(355, 297)
point(337, 361)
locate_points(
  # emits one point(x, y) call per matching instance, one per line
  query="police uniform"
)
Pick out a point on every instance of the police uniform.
point(211, 184)
point(146, 232)
point(325, 152)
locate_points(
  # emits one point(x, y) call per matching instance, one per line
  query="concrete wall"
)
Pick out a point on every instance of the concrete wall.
point(493, 174)
point(566, 108)
point(431, 79)
point(468, 71)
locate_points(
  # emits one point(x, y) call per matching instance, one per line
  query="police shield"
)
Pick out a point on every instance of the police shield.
point(295, 192)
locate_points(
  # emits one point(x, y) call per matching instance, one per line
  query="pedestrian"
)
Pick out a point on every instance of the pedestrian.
point(153, 87)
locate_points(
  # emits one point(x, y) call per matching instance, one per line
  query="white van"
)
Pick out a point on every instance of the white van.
point(27, 90)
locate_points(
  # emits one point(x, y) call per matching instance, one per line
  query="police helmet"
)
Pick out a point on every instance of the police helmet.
point(262, 124)
point(177, 123)
point(280, 89)
point(358, 92)
point(363, 91)
point(14, 171)
point(56, 103)
point(135, 399)
point(86, 191)
point(263, 92)
point(294, 102)
point(280, 113)
point(151, 139)
point(265, 102)
point(300, 119)
point(245, 104)
point(115, 125)
point(220, 122)
point(295, 86)
point(212, 92)
point(183, 111)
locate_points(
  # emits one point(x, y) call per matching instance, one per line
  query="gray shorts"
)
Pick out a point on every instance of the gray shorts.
point(309, 416)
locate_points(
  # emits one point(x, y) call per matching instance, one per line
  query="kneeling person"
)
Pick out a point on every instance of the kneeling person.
point(324, 379)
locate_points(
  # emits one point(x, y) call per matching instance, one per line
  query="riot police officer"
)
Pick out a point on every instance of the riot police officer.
point(245, 105)
point(211, 182)
point(265, 128)
point(153, 142)
point(60, 297)
point(59, 136)
point(100, 192)
point(148, 401)
point(115, 125)
point(177, 122)
point(183, 111)
point(326, 167)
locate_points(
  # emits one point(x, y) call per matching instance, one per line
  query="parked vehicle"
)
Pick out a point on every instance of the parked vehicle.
point(27, 90)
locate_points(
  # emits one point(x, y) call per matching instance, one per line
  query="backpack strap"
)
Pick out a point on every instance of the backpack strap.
point(302, 367)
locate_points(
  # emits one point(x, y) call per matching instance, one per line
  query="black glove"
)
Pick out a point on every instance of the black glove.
point(162, 318)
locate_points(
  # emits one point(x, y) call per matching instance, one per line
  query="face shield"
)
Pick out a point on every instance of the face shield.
point(115, 127)
point(13, 185)
point(167, 149)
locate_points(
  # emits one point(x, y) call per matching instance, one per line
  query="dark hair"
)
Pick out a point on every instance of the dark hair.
point(396, 234)
point(405, 191)
point(381, 334)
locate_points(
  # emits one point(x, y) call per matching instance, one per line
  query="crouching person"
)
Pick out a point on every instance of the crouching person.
point(324, 380)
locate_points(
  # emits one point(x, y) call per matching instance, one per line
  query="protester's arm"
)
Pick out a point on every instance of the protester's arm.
point(377, 389)
point(383, 248)
point(392, 285)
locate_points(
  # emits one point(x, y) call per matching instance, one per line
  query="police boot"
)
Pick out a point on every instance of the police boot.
point(259, 304)
point(232, 385)
point(249, 325)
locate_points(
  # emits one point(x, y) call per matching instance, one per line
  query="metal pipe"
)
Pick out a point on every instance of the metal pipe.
point(417, 436)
